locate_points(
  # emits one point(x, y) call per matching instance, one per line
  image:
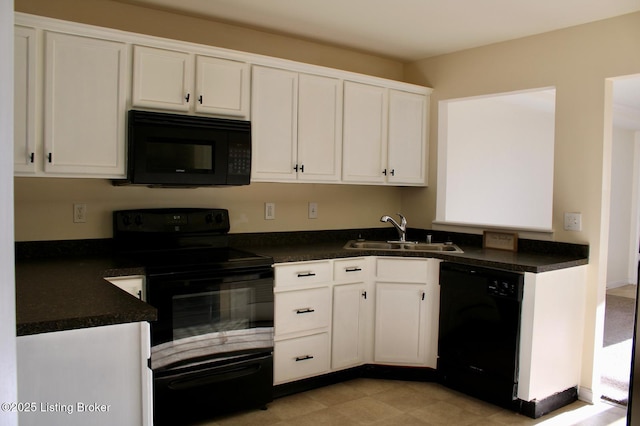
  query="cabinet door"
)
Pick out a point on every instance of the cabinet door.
point(24, 146)
point(364, 134)
point(399, 324)
point(134, 285)
point(407, 138)
point(274, 105)
point(319, 128)
point(222, 87)
point(84, 109)
point(162, 78)
point(98, 365)
point(349, 325)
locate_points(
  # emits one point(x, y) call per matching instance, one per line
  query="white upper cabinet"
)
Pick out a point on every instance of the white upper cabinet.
point(296, 126)
point(222, 87)
point(319, 128)
point(162, 78)
point(406, 154)
point(274, 127)
point(74, 84)
point(365, 133)
point(181, 81)
point(84, 106)
point(24, 147)
point(385, 135)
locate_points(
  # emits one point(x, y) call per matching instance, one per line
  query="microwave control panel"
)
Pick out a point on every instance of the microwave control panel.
point(239, 159)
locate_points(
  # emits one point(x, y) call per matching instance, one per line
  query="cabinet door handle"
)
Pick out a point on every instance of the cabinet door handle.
point(140, 294)
point(32, 156)
point(200, 99)
point(384, 172)
point(354, 269)
point(423, 295)
point(50, 157)
point(393, 172)
point(364, 295)
point(305, 311)
point(187, 97)
point(303, 358)
point(306, 274)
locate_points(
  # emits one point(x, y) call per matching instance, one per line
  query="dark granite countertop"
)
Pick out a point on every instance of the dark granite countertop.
point(535, 262)
point(58, 289)
point(62, 294)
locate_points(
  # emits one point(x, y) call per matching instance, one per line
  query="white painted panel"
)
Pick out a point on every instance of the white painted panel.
point(553, 313)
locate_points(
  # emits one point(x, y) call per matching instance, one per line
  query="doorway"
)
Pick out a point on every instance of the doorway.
point(624, 240)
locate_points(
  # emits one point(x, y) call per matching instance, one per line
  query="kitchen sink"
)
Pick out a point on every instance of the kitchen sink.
point(402, 246)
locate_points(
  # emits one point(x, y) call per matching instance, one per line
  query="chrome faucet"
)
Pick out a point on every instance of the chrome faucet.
point(402, 228)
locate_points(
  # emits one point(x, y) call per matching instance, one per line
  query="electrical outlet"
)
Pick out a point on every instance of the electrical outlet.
point(313, 210)
point(573, 221)
point(269, 211)
point(79, 213)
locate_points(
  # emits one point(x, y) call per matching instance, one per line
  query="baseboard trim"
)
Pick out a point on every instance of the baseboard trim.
point(538, 408)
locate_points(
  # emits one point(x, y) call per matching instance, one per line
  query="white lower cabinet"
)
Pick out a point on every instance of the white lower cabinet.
point(96, 376)
point(406, 311)
point(342, 313)
point(132, 284)
point(301, 357)
point(351, 313)
point(302, 320)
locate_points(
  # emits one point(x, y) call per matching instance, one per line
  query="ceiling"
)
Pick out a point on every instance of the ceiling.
point(406, 30)
point(409, 30)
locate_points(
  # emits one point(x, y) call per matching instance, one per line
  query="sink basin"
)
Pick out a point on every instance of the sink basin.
point(406, 246)
point(373, 245)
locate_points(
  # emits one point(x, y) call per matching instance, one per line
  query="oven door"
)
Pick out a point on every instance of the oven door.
point(206, 315)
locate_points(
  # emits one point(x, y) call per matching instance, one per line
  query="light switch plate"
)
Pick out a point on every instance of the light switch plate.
point(269, 211)
point(573, 221)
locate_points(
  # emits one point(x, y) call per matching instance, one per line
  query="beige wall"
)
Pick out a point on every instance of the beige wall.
point(576, 61)
point(44, 207)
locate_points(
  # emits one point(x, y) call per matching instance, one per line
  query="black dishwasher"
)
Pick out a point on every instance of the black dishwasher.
point(479, 331)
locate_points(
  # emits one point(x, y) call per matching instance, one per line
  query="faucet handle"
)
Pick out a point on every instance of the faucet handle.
point(403, 219)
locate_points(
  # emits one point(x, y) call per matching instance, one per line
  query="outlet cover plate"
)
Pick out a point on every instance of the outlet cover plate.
point(573, 221)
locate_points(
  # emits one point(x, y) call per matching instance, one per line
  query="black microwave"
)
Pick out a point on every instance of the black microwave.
point(171, 150)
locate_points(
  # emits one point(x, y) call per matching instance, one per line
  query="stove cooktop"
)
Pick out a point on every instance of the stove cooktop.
point(180, 240)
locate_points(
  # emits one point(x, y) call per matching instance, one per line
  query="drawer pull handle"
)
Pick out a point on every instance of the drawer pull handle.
point(306, 274)
point(303, 358)
point(356, 269)
point(305, 311)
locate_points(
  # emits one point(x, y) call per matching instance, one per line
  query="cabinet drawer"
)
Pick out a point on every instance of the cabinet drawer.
point(301, 357)
point(402, 270)
point(302, 310)
point(350, 270)
point(297, 274)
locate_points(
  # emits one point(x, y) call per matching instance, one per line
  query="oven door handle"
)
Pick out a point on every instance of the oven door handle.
point(178, 382)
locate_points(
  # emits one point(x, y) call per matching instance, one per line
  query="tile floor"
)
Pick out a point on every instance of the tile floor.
point(390, 402)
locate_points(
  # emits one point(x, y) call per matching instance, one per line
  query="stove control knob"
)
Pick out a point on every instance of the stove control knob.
point(208, 218)
point(126, 220)
point(219, 218)
point(138, 220)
